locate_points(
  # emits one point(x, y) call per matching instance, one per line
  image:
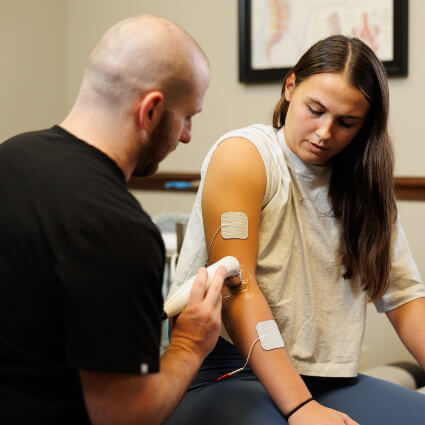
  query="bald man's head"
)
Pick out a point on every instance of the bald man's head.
point(140, 54)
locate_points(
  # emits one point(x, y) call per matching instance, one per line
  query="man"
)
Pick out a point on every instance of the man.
point(80, 262)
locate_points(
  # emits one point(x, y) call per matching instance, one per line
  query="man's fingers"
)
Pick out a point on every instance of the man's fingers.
point(213, 294)
point(197, 291)
point(214, 291)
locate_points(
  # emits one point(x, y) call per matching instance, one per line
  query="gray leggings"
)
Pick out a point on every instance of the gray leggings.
point(242, 400)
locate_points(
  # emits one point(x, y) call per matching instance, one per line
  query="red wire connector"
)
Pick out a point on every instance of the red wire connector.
point(226, 375)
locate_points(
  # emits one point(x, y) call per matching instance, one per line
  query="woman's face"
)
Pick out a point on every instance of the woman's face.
point(325, 113)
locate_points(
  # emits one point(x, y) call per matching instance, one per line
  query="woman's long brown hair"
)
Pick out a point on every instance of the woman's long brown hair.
point(361, 186)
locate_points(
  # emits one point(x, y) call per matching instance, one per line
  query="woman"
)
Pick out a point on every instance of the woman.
point(317, 237)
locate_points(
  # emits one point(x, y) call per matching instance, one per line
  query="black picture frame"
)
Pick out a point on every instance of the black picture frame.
point(395, 68)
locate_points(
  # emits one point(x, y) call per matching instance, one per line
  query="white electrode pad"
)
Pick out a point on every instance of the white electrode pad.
point(270, 337)
point(234, 225)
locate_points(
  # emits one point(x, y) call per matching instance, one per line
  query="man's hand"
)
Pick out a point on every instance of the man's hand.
point(113, 398)
point(197, 328)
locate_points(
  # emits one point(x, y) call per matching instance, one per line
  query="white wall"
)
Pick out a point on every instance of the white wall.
point(45, 44)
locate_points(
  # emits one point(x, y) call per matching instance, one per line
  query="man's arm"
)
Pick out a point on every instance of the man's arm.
point(127, 399)
point(409, 322)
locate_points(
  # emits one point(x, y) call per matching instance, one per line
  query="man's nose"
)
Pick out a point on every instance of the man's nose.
point(186, 133)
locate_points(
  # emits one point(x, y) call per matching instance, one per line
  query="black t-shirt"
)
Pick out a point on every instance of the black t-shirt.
point(81, 268)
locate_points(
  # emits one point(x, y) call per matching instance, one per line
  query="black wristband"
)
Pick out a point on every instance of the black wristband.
point(298, 407)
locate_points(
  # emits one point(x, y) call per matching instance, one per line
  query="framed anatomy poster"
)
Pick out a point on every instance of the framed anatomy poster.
point(273, 34)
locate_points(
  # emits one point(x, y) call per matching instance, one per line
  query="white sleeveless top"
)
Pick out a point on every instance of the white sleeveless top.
point(321, 315)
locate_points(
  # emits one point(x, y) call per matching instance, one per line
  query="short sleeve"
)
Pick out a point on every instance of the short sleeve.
point(406, 284)
point(111, 276)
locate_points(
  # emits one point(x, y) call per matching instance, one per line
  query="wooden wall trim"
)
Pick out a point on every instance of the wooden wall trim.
point(167, 182)
point(410, 188)
point(406, 188)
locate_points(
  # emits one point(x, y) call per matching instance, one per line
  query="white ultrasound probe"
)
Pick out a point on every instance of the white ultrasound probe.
point(177, 300)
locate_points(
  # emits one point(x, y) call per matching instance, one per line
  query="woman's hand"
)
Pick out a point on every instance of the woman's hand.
point(314, 413)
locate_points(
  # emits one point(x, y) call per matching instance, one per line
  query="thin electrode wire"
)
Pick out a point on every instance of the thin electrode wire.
point(226, 375)
point(208, 254)
point(250, 351)
point(212, 240)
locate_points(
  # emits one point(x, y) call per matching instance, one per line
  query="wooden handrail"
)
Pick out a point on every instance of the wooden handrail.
point(406, 188)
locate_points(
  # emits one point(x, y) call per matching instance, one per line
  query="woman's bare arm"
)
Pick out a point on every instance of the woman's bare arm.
point(236, 182)
point(409, 322)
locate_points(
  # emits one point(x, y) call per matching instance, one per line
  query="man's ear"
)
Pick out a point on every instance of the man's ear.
point(150, 110)
point(289, 86)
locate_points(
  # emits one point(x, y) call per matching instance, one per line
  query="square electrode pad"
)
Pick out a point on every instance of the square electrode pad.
point(270, 337)
point(234, 225)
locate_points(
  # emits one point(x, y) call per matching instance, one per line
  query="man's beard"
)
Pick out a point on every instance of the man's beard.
point(159, 146)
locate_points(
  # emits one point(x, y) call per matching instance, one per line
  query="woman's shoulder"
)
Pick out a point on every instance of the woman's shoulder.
point(259, 134)
point(265, 138)
point(268, 142)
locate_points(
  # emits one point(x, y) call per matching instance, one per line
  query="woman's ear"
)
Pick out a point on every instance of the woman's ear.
point(289, 86)
point(150, 110)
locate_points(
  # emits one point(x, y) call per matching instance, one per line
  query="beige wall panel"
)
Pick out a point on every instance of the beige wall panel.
point(32, 64)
